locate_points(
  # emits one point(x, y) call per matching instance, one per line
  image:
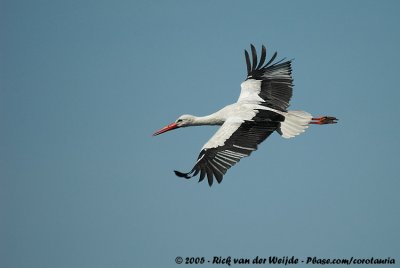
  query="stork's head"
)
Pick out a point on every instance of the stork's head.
point(183, 121)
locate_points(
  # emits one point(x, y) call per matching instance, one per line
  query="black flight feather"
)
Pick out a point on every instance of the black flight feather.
point(271, 60)
point(263, 56)
point(254, 54)
point(246, 54)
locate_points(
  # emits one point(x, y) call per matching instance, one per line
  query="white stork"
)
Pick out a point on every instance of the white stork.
point(260, 110)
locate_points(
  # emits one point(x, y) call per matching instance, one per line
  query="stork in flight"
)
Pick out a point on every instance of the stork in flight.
point(260, 110)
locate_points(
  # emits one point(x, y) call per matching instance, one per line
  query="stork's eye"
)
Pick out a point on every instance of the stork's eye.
point(179, 120)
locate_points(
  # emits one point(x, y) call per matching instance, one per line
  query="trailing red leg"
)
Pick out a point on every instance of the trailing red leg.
point(324, 120)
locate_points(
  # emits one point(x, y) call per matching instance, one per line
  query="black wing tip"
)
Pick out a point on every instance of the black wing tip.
point(254, 57)
point(182, 175)
point(209, 179)
point(208, 183)
point(253, 64)
point(263, 57)
point(206, 169)
point(248, 64)
point(219, 179)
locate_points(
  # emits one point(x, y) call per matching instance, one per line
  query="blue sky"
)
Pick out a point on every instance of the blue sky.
point(84, 84)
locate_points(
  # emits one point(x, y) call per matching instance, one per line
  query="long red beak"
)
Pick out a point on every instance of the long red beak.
point(165, 129)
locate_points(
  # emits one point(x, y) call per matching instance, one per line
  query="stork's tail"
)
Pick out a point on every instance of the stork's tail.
point(296, 122)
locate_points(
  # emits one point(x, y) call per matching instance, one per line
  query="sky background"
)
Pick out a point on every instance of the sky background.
point(84, 84)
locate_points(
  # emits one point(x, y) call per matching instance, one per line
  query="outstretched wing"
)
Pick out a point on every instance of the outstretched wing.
point(268, 84)
point(233, 141)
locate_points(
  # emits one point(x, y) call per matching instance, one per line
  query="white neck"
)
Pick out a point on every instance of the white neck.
point(206, 120)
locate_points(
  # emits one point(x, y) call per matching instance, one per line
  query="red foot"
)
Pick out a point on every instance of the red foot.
point(324, 120)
